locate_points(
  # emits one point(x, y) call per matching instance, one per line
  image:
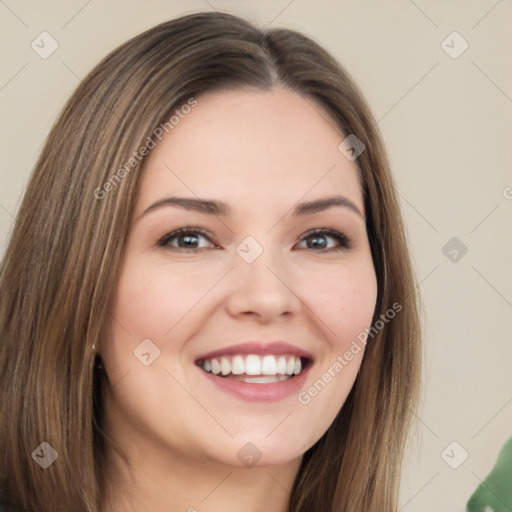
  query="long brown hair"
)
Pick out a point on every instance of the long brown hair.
point(60, 267)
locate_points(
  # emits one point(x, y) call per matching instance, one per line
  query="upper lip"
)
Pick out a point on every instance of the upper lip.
point(258, 348)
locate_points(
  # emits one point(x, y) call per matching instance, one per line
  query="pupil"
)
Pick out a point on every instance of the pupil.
point(189, 240)
point(315, 244)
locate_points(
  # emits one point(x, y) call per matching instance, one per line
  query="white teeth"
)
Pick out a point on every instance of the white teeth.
point(238, 365)
point(290, 365)
point(215, 367)
point(268, 368)
point(225, 366)
point(253, 365)
point(281, 365)
point(269, 365)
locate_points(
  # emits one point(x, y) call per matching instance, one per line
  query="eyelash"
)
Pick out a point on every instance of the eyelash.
point(344, 242)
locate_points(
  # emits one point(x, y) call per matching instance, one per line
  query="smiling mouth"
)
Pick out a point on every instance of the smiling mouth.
point(255, 369)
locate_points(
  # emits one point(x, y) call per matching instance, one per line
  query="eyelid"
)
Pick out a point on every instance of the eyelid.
point(162, 242)
point(345, 242)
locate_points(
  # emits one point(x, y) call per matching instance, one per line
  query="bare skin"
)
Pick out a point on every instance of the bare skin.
point(261, 153)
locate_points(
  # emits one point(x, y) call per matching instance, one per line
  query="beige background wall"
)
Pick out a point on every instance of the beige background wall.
point(447, 123)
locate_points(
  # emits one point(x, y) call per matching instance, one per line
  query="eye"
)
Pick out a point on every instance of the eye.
point(318, 240)
point(189, 239)
point(186, 238)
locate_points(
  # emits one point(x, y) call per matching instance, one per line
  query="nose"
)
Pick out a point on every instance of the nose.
point(263, 289)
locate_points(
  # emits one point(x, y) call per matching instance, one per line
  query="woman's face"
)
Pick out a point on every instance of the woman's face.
point(248, 290)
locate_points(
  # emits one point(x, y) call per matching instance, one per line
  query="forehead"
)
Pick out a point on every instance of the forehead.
point(251, 147)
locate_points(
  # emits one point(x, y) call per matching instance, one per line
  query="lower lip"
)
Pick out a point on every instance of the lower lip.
point(251, 392)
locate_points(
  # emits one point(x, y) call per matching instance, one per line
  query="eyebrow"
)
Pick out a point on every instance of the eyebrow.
point(220, 209)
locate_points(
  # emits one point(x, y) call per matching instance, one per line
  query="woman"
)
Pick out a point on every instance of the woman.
point(207, 299)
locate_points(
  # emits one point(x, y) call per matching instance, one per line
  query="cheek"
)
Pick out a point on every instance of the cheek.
point(151, 301)
point(345, 302)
